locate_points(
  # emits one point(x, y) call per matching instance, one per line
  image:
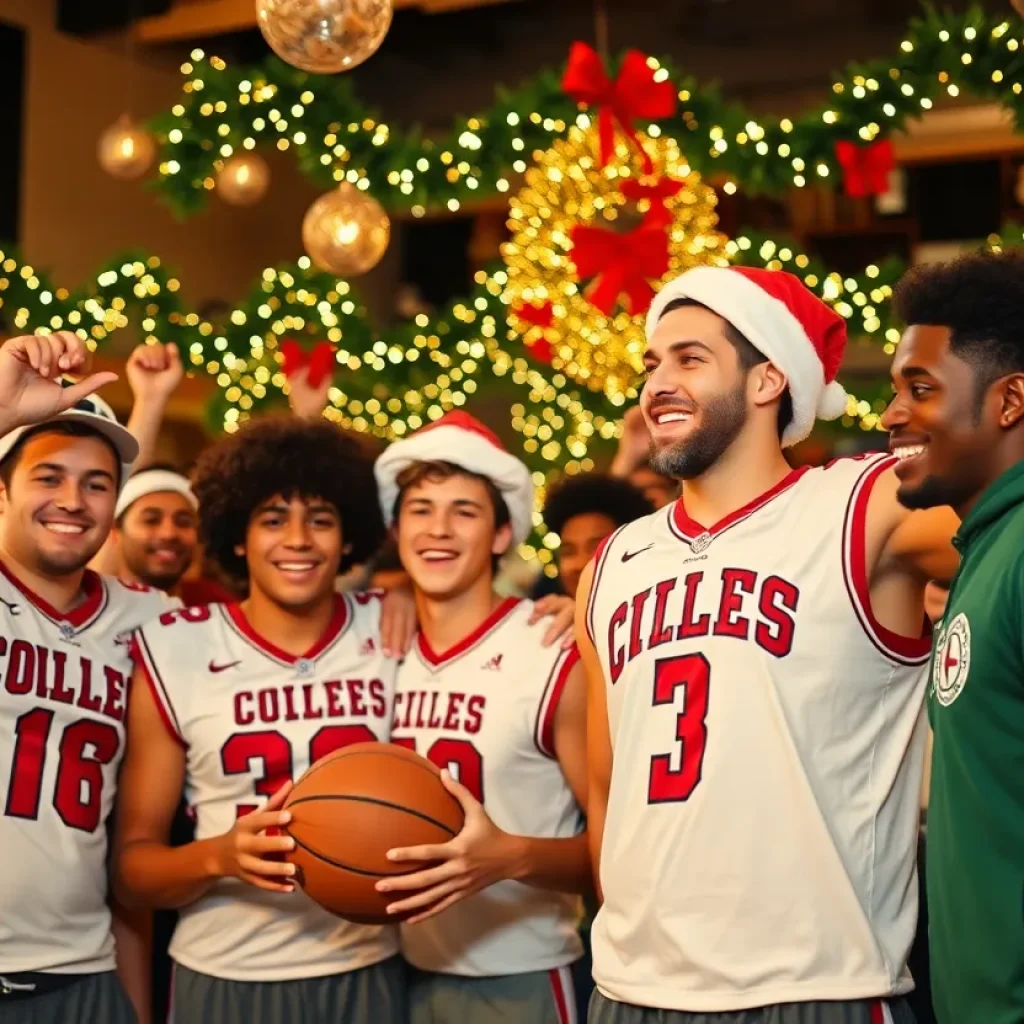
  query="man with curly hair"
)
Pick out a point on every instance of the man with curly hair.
point(585, 509)
point(233, 701)
point(957, 427)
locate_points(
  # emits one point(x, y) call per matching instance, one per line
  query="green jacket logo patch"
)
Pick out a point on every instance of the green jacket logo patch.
point(952, 660)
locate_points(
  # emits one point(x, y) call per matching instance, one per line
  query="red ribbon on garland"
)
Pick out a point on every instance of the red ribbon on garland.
point(319, 361)
point(657, 193)
point(542, 316)
point(865, 168)
point(620, 264)
point(634, 94)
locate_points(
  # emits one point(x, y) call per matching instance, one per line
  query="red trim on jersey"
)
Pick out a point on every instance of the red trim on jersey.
point(339, 620)
point(435, 660)
point(93, 588)
point(144, 660)
point(544, 727)
point(877, 1012)
point(688, 529)
point(905, 650)
point(563, 995)
point(600, 557)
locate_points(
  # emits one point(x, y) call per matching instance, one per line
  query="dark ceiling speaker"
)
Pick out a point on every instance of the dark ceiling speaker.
point(85, 17)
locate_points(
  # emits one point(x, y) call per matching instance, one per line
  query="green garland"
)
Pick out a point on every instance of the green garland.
point(225, 110)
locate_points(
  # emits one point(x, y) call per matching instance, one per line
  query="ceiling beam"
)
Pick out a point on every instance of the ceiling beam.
point(197, 19)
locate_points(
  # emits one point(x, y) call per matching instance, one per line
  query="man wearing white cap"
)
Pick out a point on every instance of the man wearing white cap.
point(755, 654)
point(65, 666)
point(496, 710)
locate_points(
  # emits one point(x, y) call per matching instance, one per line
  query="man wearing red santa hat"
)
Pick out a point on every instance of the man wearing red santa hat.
point(503, 715)
point(756, 658)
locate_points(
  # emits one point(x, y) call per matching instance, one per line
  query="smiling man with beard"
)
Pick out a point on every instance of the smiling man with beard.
point(156, 528)
point(756, 656)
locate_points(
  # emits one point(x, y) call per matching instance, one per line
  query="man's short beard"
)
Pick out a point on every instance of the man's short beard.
point(66, 565)
point(722, 419)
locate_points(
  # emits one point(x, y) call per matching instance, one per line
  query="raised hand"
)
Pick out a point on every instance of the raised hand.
point(634, 445)
point(31, 368)
point(154, 371)
point(246, 851)
point(306, 400)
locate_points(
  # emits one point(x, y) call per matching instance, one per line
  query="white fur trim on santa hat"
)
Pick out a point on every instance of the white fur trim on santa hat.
point(770, 326)
point(470, 450)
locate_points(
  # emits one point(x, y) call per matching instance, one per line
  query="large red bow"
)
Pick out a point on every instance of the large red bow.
point(657, 192)
point(634, 94)
point(865, 168)
point(319, 361)
point(620, 264)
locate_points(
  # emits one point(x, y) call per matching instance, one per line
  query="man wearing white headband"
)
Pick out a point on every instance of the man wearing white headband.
point(756, 658)
point(155, 528)
point(484, 699)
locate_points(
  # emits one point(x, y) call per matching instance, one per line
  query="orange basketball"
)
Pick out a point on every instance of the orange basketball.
point(349, 809)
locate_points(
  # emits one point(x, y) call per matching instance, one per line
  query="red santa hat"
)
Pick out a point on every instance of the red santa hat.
point(463, 441)
point(784, 321)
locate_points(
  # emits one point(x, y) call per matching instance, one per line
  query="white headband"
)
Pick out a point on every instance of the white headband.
point(152, 481)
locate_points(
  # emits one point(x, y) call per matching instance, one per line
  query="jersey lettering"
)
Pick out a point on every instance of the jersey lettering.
point(292, 702)
point(746, 606)
point(428, 709)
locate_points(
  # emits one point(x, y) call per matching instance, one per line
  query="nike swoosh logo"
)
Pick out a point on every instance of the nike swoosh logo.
point(627, 555)
point(223, 668)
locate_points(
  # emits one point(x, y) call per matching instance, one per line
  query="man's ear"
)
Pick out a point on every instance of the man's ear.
point(768, 383)
point(1012, 407)
point(502, 540)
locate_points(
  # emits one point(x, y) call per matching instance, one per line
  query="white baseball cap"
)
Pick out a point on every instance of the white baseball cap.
point(95, 413)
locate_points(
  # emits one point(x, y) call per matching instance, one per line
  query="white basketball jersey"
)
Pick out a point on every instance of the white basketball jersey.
point(768, 738)
point(485, 710)
point(62, 713)
point(251, 717)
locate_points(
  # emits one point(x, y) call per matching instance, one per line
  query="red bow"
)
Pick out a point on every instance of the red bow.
point(319, 362)
point(865, 168)
point(658, 192)
point(634, 94)
point(620, 263)
point(536, 316)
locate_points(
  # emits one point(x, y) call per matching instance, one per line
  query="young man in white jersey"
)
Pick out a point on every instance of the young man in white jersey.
point(485, 700)
point(756, 658)
point(65, 665)
point(233, 702)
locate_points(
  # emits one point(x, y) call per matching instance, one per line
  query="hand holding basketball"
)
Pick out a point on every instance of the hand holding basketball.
point(244, 852)
point(480, 855)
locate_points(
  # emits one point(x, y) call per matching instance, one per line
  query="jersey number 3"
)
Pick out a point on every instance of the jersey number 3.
point(693, 673)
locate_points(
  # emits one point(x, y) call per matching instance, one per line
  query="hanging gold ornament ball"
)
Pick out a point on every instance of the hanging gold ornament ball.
point(243, 180)
point(567, 188)
point(125, 150)
point(346, 231)
point(324, 36)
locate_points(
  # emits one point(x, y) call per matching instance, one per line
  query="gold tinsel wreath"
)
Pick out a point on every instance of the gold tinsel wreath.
point(567, 187)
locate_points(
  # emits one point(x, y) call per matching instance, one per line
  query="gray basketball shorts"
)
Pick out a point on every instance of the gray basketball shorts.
point(371, 995)
point(868, 1011)
point(89, 999)
point(538, 997)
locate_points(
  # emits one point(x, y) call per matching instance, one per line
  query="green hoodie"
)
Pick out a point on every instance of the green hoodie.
point(976, 809)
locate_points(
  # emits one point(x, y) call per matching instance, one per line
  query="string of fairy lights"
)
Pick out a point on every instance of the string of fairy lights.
point(226, 110)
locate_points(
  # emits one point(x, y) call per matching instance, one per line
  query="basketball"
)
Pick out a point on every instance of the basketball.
point(349, 809)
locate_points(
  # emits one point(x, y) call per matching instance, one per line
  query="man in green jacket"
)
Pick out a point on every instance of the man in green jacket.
point(957, 424)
